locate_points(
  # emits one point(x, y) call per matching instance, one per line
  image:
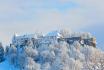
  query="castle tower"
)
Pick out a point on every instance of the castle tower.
point(93, 41)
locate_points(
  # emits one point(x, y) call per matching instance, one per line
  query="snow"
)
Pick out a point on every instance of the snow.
point(26, 36)
point(50, 54)
point(6, 66)
point(54, 33)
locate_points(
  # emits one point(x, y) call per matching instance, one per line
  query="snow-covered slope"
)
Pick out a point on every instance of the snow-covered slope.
point(54, 53)
point(7, 66)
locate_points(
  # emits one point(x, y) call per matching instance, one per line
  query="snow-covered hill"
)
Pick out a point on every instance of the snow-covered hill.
point(57, 50)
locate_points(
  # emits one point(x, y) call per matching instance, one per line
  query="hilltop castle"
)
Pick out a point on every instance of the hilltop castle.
point(53, 37)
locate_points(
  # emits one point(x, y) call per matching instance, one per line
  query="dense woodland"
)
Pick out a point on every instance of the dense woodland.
point(53, 52)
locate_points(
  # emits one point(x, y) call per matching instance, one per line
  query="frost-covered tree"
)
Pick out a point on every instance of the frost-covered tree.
point(21, 59)
point(65, 33)
point(30, 52)
point(13, 59)
point(12, 49)
point(7, 50)
point(30, 64)
point(1, 53)
point(12, 54)
point(93, 58)
point(46, 56)
point(63, 61)
point(45, 66)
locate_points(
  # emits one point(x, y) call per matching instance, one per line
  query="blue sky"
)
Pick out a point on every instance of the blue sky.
point(29, 16)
